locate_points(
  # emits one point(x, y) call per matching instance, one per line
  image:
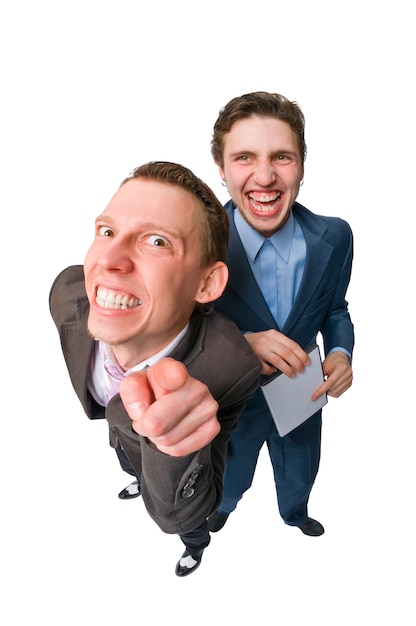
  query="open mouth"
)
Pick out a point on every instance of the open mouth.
point(264, 202)
point(108, 299)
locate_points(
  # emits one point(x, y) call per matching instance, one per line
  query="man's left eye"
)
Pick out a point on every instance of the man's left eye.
point(158, 241)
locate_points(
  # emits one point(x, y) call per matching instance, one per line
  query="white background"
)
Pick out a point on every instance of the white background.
point(89, 91)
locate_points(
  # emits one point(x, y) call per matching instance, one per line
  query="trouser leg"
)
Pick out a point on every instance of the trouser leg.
point(243, 451)
point(295, 459)
point(196, 540)
point(125, 463)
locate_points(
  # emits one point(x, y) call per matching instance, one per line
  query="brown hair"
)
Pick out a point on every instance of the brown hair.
point(262, 104)
point(215, 225)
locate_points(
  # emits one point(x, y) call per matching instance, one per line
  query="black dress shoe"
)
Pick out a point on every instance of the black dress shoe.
point(188, 563)
point(216, 521)
point(131, 491)
point(312, 528)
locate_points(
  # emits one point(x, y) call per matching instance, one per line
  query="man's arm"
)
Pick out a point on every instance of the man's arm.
point(180, 491)
point(175, 412)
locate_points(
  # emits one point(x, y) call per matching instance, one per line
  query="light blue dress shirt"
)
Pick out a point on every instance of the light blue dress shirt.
point(289, 262)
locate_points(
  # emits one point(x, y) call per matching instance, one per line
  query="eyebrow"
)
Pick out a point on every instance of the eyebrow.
point(103, 217)
point(254, 153)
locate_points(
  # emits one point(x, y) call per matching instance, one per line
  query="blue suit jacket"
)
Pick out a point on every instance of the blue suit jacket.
point(320, 305)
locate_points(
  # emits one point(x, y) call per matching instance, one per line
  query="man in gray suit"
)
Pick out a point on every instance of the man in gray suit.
point(144, 351)
point(289, 273)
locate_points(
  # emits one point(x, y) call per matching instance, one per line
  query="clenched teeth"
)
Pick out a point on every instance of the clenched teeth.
point(115, 300)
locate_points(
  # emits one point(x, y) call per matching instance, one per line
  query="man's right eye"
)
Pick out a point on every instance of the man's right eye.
point(105, 231)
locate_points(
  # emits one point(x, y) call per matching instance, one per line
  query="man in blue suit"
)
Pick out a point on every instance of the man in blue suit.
point(283, 302)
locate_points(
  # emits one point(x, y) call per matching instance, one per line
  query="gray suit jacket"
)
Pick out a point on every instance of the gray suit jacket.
point(179, 493)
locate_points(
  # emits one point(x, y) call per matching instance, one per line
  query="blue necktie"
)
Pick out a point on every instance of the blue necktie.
point(268, 275)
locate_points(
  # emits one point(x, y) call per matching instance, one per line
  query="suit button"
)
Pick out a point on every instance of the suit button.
point(188, 489)
point(187, 492)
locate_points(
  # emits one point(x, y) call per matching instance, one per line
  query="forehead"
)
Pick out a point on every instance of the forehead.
point(257, 134)
point(142, 199)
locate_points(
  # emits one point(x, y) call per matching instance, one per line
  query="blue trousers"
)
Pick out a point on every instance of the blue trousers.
point(295, 460)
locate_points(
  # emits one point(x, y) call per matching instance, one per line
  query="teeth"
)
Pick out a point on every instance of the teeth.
point(264, 197)
point(264, 202)
point(112, 300)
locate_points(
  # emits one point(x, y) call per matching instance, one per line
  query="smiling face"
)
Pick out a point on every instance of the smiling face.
point(143, 273)
point(262, 167)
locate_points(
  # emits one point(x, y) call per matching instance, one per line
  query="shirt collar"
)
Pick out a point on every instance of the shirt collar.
point(109, 354)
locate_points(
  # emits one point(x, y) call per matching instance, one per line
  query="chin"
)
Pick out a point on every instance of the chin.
point(100, 330)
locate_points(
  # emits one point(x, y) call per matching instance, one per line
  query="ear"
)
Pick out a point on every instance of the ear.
point(221, 171)
point(213, 283)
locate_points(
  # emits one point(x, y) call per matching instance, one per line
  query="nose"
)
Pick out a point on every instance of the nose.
point(264, 173)
point(115, 256)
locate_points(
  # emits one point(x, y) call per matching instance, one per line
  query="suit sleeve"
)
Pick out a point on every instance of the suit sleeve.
point(337, 328)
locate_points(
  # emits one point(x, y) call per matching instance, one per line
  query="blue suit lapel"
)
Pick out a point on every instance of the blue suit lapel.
point(318, 256)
